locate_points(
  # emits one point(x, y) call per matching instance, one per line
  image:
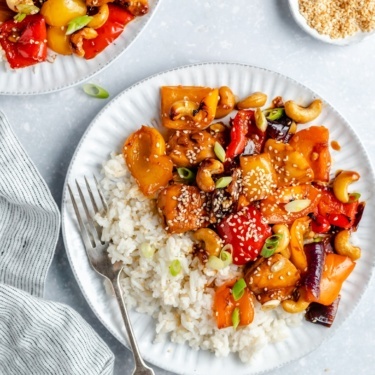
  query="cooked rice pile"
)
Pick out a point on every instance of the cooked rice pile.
point(339, 18)
point(180, 305)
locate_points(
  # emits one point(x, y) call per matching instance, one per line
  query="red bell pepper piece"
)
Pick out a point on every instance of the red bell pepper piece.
point(320, 224)
point(337, 213)
point(117, 19)
point(240, 127)
point(25, 42)
point(246, 231)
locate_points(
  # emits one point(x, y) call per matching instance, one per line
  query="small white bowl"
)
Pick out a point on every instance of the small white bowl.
point(301, 21)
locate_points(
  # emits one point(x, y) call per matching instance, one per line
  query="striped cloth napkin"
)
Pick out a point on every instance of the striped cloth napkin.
point(36, 336)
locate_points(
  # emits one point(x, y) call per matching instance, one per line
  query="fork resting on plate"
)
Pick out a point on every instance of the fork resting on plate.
point(96, 251)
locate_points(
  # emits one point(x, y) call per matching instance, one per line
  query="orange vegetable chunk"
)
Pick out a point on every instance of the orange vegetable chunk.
point(336, 270)
point(188, 107)
point(313, 144)
point(224, 305)
point(144, 153)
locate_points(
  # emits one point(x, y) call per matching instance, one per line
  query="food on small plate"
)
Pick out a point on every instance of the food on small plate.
point(230, 229)
point(83, 28)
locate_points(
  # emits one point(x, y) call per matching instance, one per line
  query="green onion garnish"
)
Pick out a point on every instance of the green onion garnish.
point(147, 250)
point(236, 317)
point(215, 263)
point(270, 245)
point(186, 174)
point(19, 17)
point(238, 289)
point(95, 91)
point(27, 9)
point(78, 23)
point(219, 151)
point(226, 257)
point(223, 182)
point(260, 120)
point(274, 114)
point(354, 197)
point(175, 267)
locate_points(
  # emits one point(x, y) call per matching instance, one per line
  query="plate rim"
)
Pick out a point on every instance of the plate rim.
point(96, 71)
point(371, 177)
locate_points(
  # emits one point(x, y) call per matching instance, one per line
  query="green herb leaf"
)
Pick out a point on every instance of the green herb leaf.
point(223, 182)
point(219, 151)
point(236, 317)
point(175, 267)
point(274, 114)
point(19, 17)
point(95, 91)
point(78, 23)
point(238, 289)
point(186, 174)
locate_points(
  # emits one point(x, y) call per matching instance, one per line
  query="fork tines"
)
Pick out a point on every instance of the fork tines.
point(91, 232)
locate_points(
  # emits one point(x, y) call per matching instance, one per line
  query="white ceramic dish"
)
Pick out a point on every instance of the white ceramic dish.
point(67, 71)
point(301, 21)
point(139, 105)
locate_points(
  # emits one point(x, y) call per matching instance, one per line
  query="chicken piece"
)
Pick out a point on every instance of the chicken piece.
point(281, 294)
point(273, 273)
point(182, 208)
point(291, 166)
point(259, 176)
point(188, 148)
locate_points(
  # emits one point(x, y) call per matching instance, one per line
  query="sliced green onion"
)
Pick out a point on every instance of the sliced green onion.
point(238, 289)
point(236, 317)
point(95, 91)
point(78, 23)
point(186, 174)
point(27, 9)
point(223, 182)
point(19, 17)
point(270, 245)
point(297, 205)
point(260, 120)
point(147, 250)
point(215, 263)
point(219, 151)
point(226, 257)
point(354, 197)
point(274, 114)
point(175, 267)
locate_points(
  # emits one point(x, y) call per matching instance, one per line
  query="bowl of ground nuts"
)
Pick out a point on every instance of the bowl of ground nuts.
point(335, 21)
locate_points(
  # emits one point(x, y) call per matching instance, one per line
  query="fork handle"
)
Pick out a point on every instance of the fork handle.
point(140, 366)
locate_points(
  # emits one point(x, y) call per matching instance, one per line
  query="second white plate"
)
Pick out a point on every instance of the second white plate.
point(140, 104)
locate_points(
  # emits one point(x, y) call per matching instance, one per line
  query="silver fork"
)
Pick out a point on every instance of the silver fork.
point(97, 254)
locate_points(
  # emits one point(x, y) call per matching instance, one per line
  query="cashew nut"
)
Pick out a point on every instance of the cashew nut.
point(135, 7)
point(341, 183)
point(294, 307)
point(218, 127)
point(302, 115)
point(282, 247)
point(183, 108)
point(211, 242)
point(206, 169)
point(343, 247)
point(226, 102)
point(257, 99)
point(76, 40)
point(100, 18)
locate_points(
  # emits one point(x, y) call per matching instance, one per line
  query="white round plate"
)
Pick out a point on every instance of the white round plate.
point(67, 71)
point(140, 104)
point(301, 21)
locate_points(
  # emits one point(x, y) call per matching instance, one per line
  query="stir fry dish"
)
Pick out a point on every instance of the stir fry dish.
point(254, 188)
point(81, 27)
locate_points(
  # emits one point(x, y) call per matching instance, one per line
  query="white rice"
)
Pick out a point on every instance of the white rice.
point(180, 305)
